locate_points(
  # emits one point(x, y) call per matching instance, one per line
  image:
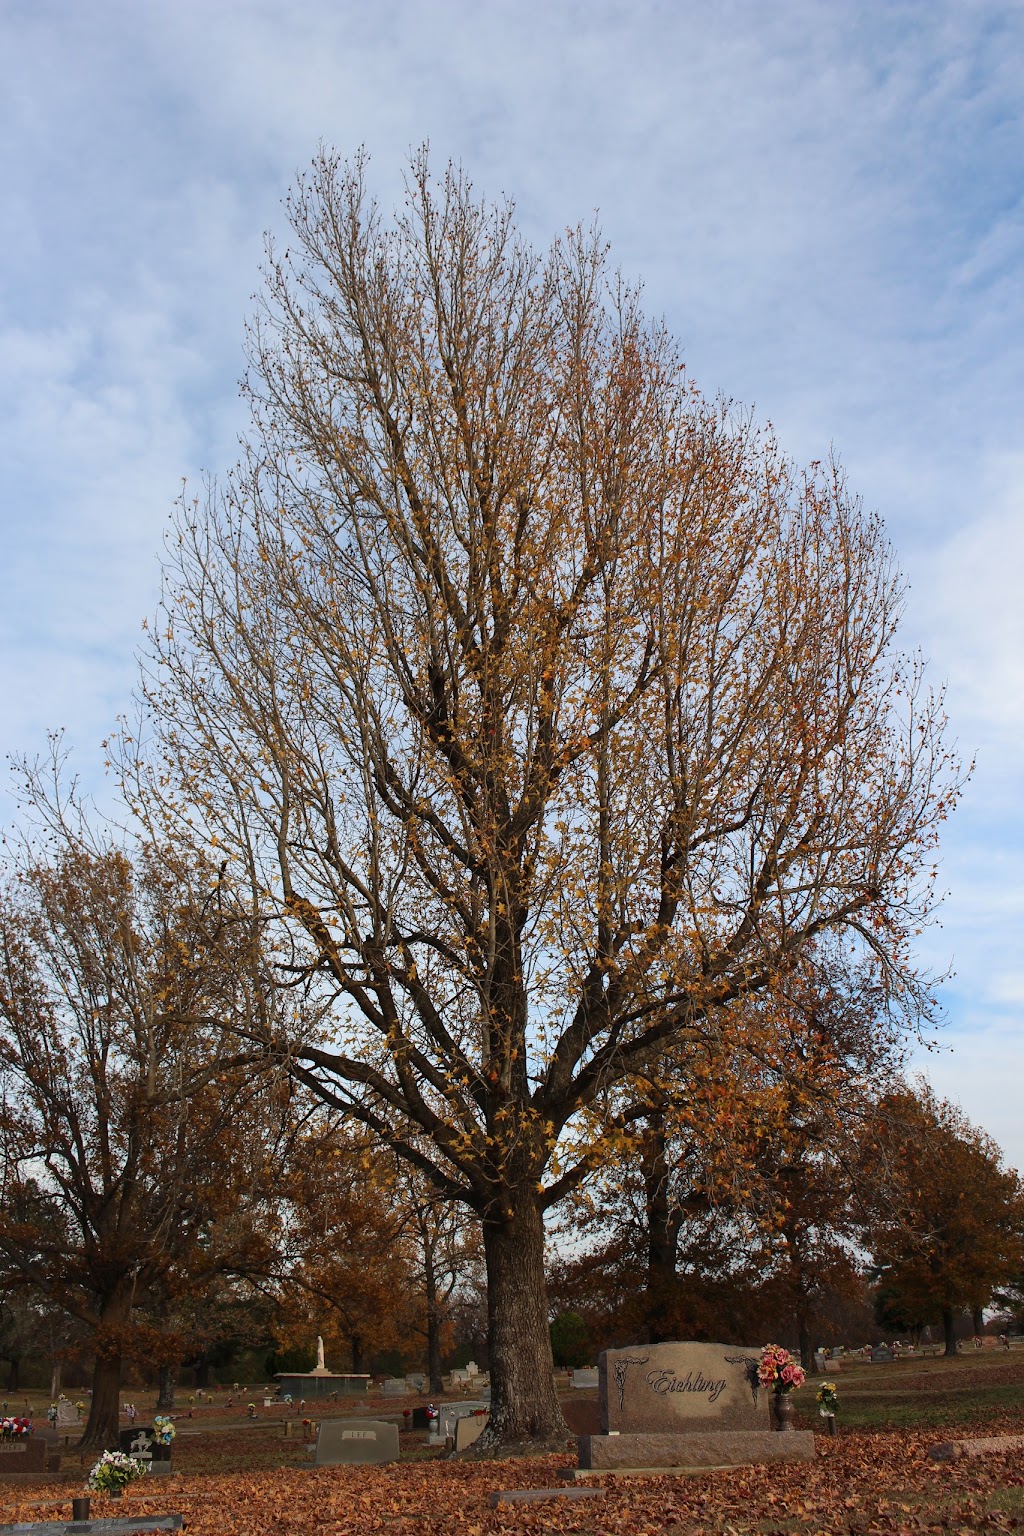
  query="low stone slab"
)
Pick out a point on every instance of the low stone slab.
point(541, 1495)
point(584, 1476)
point(953, 1450)
point(355, 1443)
point(94, 1527)
point(585, 1378)
point(719, 1448)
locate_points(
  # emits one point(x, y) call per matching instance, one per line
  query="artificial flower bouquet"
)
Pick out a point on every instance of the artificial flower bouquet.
point(14, 1427)
point(778, 1371)
point(163, 1429)
point(114, 1471)
point(828, 1399)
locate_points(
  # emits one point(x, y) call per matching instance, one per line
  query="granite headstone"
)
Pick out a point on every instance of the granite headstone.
point(355, 1442)
point(681, 1388)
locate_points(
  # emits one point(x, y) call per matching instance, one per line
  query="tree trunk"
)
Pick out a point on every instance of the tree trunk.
point(949, 1330)
point(433, 1322)
point(165, 1396)
point(806, 1344)
point(356, 1341)
point(524, 1403)
point(14, 1377)
point(663, 1223)
point(55, 1374)
point(203, 1372)
point(105, 1406)
point(978, 1316)
point(804, 1310)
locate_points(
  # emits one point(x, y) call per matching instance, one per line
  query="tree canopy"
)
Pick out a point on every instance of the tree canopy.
point(946, 1222)
point(545, 706)
point(126, 1140)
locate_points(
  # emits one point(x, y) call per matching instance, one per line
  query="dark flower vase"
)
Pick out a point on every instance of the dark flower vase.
point(782, 1406)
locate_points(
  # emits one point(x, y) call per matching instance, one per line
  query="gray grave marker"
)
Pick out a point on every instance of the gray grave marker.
point(355, 1443)
point(585, 1378)
point(685, 1405)
point(660, 1388)
point(469, 1427)
point(449, 1414)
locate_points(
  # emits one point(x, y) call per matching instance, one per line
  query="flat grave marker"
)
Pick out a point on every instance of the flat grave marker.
point(111, 1527)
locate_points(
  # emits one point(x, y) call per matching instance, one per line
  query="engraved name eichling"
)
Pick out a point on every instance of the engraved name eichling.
point(665, 1381)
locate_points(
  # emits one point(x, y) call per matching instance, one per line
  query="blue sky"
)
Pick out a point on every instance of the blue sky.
point(824, 198)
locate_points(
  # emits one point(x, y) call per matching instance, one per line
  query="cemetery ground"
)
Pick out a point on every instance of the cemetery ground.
point(235, 1477)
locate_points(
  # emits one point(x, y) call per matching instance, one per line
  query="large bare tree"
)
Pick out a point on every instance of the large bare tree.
point(546, 706)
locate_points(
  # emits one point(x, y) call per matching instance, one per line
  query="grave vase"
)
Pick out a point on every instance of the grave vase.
point(782, 1408)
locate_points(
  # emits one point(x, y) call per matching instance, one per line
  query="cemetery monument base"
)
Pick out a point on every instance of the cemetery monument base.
point(681, 1405)
point(719, 1448)
point(309, 1384)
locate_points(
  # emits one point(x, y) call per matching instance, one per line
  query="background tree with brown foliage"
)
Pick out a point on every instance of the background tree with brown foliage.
point(347, 1264)
point(945, 1219)
point(123, 1134)
point(546, 707)
point(731, 1203)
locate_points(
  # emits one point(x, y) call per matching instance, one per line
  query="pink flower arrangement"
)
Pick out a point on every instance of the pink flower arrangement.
point(778, 1370)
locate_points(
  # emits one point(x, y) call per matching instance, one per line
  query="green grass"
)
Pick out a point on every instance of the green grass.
point(963, 1393)
point(926, 1410)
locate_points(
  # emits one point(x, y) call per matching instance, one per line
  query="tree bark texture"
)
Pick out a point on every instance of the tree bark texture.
point(105, 1406)
point(433, 1323)
point(165, 1395)
point(949, 1330)
point(664, 1219)
point(524, 1403)
point(807, 1344)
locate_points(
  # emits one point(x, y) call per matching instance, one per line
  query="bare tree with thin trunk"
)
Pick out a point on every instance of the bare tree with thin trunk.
point(546, 706)
point(119, 1143)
